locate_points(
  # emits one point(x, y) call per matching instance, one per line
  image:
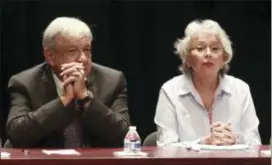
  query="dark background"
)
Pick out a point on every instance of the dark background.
point(137, 37)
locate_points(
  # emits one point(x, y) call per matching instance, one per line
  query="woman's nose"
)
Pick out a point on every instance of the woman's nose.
point(208, 52)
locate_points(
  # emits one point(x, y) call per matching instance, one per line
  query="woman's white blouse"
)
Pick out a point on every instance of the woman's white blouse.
point(181, 117)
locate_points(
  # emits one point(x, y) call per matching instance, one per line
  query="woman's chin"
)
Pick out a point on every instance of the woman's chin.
point(209, 72)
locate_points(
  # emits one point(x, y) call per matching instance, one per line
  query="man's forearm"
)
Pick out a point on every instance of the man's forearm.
point(28, 129)
point(109, 125)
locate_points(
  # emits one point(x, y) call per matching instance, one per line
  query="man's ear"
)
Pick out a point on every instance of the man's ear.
point(49, 56)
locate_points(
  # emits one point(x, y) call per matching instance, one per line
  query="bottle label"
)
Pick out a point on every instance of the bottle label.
point(132, 146)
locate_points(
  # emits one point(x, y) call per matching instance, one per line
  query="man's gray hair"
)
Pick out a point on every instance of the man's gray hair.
point(182, 46)
point(65, 26)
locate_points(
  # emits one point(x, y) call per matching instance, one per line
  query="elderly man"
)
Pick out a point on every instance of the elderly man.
point(67, 102)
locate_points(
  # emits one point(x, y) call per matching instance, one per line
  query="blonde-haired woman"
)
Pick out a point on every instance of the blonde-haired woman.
point(204, 104)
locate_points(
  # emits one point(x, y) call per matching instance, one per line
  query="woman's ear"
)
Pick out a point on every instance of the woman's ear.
point(187, 65)
point(188, 62)
point(225, 57)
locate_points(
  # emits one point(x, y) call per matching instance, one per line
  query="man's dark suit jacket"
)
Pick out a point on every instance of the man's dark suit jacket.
point(37, 116)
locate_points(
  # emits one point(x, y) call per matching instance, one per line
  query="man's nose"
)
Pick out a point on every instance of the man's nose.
point(82, 57)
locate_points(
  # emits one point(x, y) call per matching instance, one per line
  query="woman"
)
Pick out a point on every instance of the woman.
point(204, 105)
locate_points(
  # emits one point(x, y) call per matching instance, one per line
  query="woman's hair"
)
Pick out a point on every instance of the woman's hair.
point(182, 45)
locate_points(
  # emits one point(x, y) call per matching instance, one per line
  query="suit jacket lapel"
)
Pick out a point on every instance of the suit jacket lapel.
point(91, 83)
point(49, 89)
point(48, 92)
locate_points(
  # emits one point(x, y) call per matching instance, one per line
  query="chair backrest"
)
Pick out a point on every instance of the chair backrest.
point(151, 139)
point(8, 144)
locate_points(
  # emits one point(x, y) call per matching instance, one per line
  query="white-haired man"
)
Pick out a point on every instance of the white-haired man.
point(68, 101)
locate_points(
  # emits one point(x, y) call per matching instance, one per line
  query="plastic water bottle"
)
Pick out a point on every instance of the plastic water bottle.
point(132, 141)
